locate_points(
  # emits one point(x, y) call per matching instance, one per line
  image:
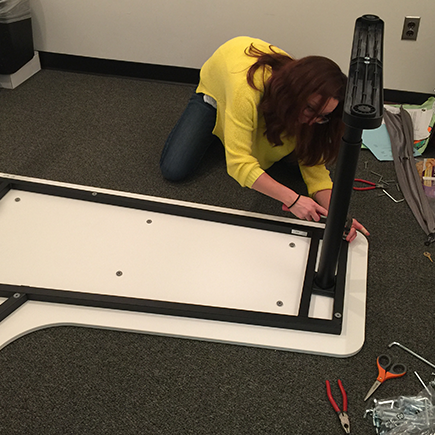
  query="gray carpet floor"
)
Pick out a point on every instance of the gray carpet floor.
point(108, 132)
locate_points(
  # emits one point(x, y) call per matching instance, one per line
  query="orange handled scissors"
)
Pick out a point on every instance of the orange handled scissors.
point(386, 370)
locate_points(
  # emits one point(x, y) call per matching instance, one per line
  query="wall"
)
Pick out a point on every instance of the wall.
point(185, 32)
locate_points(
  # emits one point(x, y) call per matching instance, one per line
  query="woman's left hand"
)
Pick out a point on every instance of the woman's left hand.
point(323, 197)
point(356, 226)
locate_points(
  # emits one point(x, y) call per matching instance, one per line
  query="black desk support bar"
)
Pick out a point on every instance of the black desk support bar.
point(17, 294)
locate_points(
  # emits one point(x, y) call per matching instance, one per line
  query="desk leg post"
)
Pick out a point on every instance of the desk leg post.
point(338, 209)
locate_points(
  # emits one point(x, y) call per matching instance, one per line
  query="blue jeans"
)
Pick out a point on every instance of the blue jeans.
point(189, 140)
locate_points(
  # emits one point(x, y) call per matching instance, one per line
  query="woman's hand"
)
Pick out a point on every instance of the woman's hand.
point(303, 207)
point(356, 226)
point(306, 208)
point(350, 237)
point(324, 198)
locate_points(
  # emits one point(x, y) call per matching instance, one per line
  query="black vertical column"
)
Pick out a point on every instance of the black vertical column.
point(363, 109)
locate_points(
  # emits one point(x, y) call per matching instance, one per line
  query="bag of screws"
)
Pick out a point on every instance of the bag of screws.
point(405, 415)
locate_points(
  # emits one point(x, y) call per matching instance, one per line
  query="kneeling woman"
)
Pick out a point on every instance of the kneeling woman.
point(264, 105)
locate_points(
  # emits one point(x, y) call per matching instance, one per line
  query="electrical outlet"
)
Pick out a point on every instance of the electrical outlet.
point(410, 28)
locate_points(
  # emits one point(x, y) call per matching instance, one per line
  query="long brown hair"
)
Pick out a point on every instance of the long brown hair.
point(286, 95)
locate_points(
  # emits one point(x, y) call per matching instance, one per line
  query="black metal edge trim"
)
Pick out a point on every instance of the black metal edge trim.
point(340, 285)
point(171, 308)
point(195, 311)
point(160, 207)
point(83, 64)
point(337, 291)
point(5, 187)
point(307, 289)
point(14, 301)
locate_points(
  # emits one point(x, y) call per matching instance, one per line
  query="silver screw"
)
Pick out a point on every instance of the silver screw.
point(337, 315)
point(280, 303)
point(422, 383)
point(292, 245)
point(17, 295)
point(119, 273)
point(94, 193)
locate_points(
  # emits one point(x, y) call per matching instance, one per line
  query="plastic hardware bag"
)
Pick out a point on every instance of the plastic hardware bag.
point(405, 415)
point(426, 171)
point(423, 120)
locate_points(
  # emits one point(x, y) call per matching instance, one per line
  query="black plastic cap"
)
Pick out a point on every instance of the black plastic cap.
point(364, 99)
point(370, 18)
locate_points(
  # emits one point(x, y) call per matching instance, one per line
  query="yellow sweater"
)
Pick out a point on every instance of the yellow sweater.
point(238, 124)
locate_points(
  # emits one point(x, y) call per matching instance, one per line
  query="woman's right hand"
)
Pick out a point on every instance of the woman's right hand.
point(306, 208)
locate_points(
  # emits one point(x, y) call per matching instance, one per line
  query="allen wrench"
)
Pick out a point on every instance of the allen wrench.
point(395, 343)
point(386, 183)
point(389, 196)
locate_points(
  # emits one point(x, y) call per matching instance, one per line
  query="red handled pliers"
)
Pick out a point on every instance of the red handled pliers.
point(342, 415)
point(370, 185)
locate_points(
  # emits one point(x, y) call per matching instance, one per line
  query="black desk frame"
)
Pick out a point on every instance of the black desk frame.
point(18, 295)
